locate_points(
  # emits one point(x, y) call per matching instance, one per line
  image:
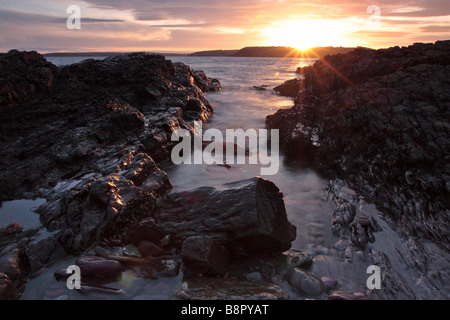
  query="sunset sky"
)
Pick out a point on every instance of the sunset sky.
point(185, 26)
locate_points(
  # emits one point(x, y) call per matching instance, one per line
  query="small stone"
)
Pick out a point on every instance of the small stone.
point(213, 288)
point(149, 249)
point(99, 267)
point(329, 283)
point(131, 251)
point(254, 277)
point(205, 256)
point(299, 259)
point(344, 295)
point(305, 283)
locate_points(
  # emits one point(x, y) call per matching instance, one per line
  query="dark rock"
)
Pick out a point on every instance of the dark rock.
point(11, 265)
point(86, 138)
point(343, 216)
point(43, 253)
point(290, 88)
point(160, 267)
point(379, 118)
point(202, 254)
point(7, 289)
point(99, 267)
point(329, 283)
point(305, 283)
point(298, 259)
point(206, 84)
point(344, 295)
point(260, 88)
point(149, 249)
point(247, 217)
point(25, 77)
point(254, 277)
point(146, 229)
point(206, 288)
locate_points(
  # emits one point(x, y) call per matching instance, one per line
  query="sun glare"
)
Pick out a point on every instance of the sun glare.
point(305, 34)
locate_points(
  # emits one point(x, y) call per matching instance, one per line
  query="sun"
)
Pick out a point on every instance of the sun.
point(305, 34)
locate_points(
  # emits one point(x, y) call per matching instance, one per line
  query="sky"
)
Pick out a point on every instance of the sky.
point(194, 25)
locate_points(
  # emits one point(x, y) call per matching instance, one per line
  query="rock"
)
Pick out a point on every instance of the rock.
point(305, 283)
point(149, 249)
point(25, 77)
point(329, 283)
point(378, 117)
point(298, 259)
point(131, 251)
point(43, 253)
point(343, 216)
point(11, 265)
point(99, 267)
point(145, 230)
point(206, 84)
point(204, 255)
point(260, 88)
point(247, 217)
point(290, 88)
point(206, 288)
point(254, 277)
point(93, 132)
point(160, 267)
point(7, 289)
point(343, 295)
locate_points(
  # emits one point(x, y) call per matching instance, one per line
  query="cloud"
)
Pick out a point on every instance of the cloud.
point(210, 24)
point(435, 28)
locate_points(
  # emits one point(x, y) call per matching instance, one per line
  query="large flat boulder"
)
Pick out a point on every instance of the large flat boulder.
point(246, 217)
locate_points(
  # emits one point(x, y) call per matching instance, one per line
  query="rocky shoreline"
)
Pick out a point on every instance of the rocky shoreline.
point(90, 138)
point(93, 139)
point(378, 119)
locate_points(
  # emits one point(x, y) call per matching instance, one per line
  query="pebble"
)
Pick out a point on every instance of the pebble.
point(254, 277)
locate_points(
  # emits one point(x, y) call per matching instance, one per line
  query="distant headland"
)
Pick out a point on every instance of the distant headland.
point(266, 52)
point(274, 52)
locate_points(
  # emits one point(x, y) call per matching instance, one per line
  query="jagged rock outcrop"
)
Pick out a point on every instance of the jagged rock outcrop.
point(24, 77)
point(246, 217)
point(379, 118)
point(89, 138)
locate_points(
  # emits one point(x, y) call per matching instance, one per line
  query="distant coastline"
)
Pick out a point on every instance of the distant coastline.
point(266, 52)
point(103, 54)
point(274, 52)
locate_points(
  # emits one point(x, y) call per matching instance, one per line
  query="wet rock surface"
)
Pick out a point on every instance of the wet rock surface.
point(379, 120)
point(246, 217)
point(205, 255)
point(205, 288)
